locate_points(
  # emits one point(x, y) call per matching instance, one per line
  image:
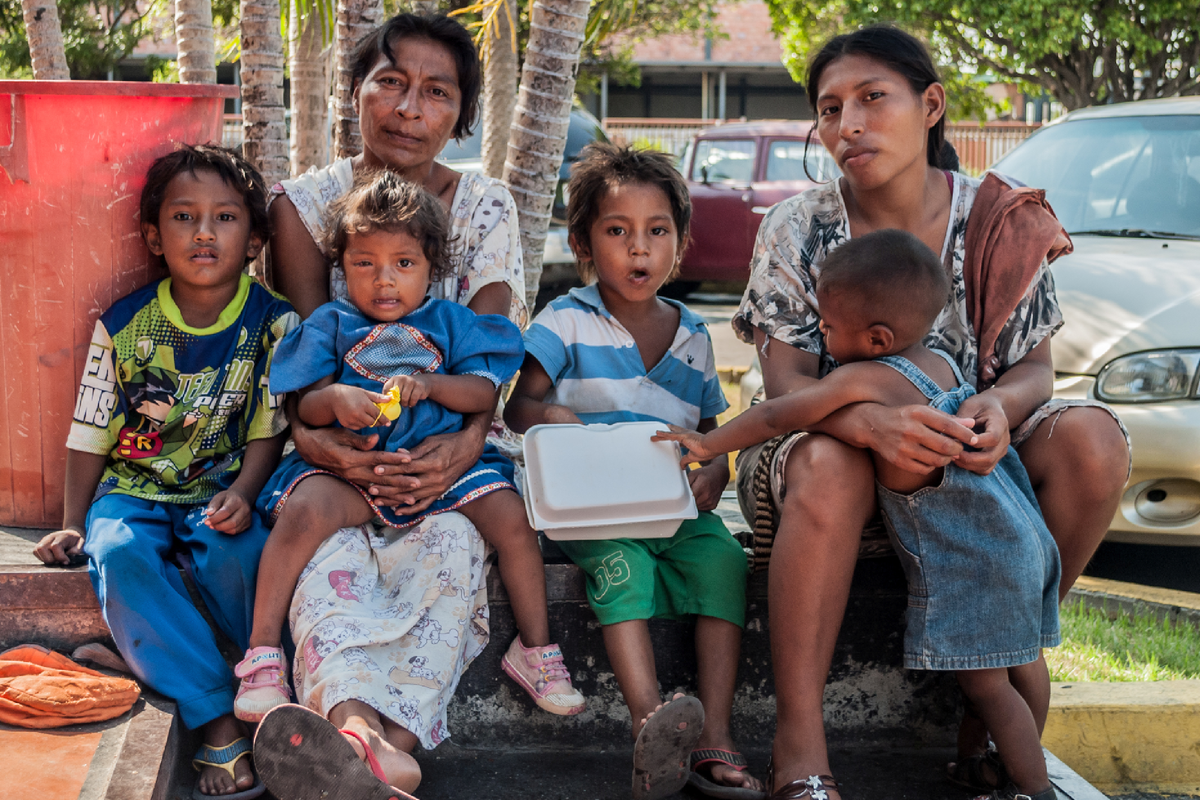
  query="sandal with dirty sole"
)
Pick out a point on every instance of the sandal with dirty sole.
point(660, 756)
point(300, 755)
point(712, 757)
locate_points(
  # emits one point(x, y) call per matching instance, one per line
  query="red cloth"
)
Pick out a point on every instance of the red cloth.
point(1009, 232)
point(42, 689)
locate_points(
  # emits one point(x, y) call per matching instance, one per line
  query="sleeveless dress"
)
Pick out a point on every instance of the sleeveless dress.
point(982, 567)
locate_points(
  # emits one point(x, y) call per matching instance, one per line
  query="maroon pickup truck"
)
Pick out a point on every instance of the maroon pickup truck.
point(735, 173)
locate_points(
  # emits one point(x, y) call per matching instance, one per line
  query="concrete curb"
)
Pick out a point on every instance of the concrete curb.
point(1136, 736)
point(1114, 597)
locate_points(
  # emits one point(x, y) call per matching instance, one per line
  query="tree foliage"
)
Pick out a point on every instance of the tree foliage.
point(1081, 52)
point(96, 35)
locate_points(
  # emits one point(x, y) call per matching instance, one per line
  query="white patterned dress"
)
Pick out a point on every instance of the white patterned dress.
point(393, 617)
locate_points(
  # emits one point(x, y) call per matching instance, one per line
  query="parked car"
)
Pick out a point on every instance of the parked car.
point(1125, 181)
point(735, 173)
point(558, 263)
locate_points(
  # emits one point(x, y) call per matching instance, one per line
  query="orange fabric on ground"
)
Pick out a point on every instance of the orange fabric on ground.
point(42, 689)
point(45, 766)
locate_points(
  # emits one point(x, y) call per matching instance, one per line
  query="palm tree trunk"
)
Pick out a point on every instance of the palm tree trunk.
point(44, 32)
point(355, 19)
point(499, 91)
point(539, 129)
point(194, 40)
point(265, 143)
point(310, 88)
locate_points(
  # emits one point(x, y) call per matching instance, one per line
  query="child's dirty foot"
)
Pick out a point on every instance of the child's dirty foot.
point(399, 768)
point(224, 762)
point(666, 736)
point(719, 770)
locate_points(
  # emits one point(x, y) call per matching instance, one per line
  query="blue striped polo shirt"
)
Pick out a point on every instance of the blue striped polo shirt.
point(598, 373)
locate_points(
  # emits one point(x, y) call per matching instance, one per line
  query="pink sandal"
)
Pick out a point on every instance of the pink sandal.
point(264, 683)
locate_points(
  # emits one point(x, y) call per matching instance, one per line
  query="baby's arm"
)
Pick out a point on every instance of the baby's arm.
point(526, 405)
point(84, 471)
point(466, 394)
point(326, 402)
point(229, 511)
point(861, 382)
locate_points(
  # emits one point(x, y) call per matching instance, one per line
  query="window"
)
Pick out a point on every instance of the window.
point(724, 161)
point(786, 162)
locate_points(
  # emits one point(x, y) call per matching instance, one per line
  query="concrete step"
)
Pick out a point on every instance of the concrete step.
point(137, 756)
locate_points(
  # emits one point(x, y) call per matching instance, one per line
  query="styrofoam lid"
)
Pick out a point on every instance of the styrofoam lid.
point(604, 474)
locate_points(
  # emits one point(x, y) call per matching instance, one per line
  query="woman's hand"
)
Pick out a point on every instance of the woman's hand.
point(916, 439)
point(436, 463)
point(352, 456)
point(991, 430)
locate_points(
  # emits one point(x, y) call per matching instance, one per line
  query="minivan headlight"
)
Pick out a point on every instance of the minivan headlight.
point(1149, 377)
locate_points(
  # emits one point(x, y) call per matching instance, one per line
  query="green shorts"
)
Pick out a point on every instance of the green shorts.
point(700, 570)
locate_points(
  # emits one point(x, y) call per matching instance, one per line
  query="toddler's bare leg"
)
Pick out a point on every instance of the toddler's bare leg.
point(1033, 682)
point(1012, 725)
point(500, 518)
point(391, 743)
point(316, 509)
point(632, 659)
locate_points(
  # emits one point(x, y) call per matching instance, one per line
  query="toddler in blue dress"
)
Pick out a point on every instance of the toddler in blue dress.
point(982, 567)
point(442, 361)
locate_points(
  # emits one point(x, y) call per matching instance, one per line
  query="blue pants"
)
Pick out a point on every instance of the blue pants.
point(161, 635)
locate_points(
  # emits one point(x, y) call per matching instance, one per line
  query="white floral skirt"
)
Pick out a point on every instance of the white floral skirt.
point(392, 618)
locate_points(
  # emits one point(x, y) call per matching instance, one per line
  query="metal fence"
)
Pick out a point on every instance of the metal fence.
point(978, 146)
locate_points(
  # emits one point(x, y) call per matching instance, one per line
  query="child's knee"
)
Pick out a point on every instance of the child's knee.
point(316, 510)
point(981, 684)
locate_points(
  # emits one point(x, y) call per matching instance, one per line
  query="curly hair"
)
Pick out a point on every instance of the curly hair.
point(601, 166)
point(382, 200)
point(238, 173)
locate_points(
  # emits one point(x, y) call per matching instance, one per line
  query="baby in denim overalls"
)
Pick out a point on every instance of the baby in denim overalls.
point(982, 567)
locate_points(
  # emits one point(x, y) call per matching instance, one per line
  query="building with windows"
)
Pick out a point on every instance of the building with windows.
point(736, 76)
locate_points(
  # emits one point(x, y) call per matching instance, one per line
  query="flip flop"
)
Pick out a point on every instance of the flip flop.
point(226, 758)
point(660, 754)
point(709, 787)
point(300, 755)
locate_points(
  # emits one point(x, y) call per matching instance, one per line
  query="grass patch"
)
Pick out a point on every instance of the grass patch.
point(1096, 648)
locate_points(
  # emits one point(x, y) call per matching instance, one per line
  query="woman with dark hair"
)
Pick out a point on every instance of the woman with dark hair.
point(880, 112)
point(385, 623)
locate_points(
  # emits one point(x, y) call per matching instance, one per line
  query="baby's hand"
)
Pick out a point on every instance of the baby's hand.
point(692, 440)
point(413, 388)
point(228, 512)
point(58, 547)
point(356, 408)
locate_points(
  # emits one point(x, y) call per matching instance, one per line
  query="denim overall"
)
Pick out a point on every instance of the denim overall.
point(982, 568)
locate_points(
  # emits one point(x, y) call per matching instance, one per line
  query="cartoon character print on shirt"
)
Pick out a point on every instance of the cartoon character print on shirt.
point(342, 583)
point(357, 657)
point(151, 398)
point(437, 541)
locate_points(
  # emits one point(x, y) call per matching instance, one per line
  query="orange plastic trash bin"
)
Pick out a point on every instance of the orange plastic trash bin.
point(73, 158)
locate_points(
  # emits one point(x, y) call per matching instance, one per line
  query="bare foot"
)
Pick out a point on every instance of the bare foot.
point(399, 768)
point(723, 774)
point(215, 781)
point(637, 729)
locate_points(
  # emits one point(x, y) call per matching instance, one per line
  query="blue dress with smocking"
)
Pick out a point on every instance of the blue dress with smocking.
point(982, 567)
point(439, 337)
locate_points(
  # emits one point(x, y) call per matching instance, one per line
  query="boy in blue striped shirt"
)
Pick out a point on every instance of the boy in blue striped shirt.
point(613, 351)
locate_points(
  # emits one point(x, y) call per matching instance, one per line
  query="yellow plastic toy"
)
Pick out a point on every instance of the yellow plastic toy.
point(391, 408)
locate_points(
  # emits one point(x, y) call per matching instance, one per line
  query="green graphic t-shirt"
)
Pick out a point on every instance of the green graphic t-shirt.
point(173, 406)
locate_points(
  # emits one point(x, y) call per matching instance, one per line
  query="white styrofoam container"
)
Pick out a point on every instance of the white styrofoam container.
point(604, 482)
